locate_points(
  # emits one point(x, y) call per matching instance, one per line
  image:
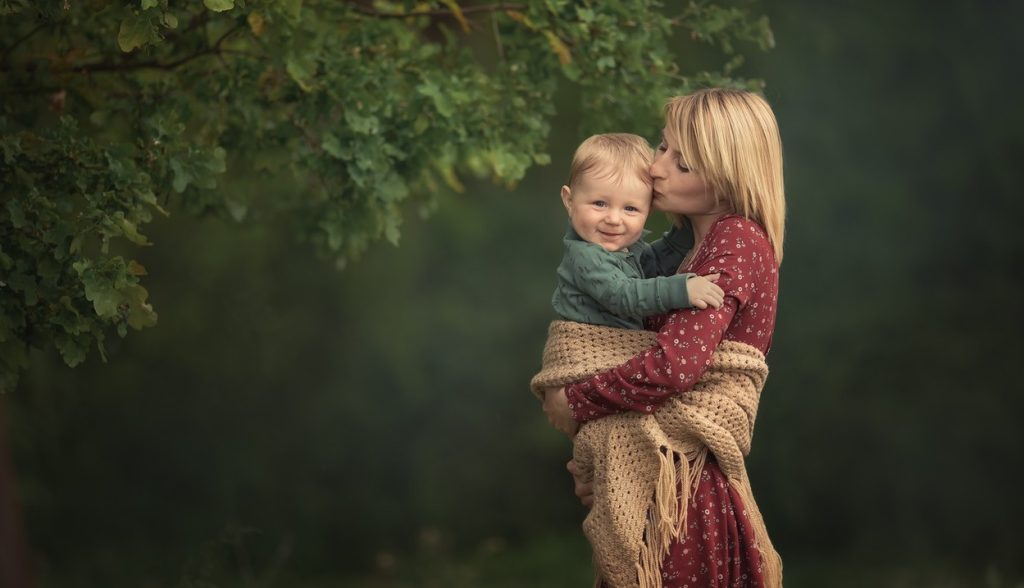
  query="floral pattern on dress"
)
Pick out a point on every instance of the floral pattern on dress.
point(739, 250)
point(718, 549)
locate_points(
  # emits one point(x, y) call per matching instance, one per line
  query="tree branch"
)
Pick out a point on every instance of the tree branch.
point(497, 36)
point(371, 11)
point(22, 39)
point(106, 66)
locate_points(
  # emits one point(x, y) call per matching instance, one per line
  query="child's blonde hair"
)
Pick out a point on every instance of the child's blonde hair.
point(614, 156)
point(731, 139)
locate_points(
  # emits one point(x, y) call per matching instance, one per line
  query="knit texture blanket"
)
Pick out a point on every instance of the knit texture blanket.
point(643, 467)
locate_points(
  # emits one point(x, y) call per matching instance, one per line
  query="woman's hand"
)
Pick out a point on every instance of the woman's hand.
point(583, 490)
point(556, 406)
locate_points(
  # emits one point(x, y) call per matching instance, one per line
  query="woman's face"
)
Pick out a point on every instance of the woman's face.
point(677, 189)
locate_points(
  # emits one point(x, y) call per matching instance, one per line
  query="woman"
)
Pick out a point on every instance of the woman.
point(719, 166)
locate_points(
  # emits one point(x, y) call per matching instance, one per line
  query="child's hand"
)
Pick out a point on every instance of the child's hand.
point(556, 406)
point(703, 292)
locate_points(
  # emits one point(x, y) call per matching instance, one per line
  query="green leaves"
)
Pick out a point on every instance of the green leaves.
point(136, 30)
point(442, 103)
point(116, 294)
point(13, 6)
point(16, 215)
point(302, 69)
point(99, 290)
point(198, 166)
point(723, 26)
point(333, 116)
point(219, 5)
point(65, 199)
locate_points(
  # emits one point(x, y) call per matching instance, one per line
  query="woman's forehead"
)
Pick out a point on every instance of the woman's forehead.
point(673, 148)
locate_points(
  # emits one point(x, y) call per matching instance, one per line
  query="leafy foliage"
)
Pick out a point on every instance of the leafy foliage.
point(114, 111)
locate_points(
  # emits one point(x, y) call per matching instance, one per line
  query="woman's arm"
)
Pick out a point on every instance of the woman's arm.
point(682, 353)
point(685, 341)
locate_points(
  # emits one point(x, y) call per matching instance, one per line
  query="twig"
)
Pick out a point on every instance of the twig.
point(497, 36)
point(129, 66)
point(20, 40)
point(217, 43)
point(242, 53)
point(371, 11)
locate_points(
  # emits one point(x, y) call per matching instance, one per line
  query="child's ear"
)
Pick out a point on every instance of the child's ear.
point(567, 199)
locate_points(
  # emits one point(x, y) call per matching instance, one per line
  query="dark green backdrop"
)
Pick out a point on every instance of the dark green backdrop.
point(287, 424)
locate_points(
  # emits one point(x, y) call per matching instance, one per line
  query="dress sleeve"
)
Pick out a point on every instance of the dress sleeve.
point(683, 346)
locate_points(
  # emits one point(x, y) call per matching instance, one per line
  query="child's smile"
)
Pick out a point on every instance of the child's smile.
point(607, 213)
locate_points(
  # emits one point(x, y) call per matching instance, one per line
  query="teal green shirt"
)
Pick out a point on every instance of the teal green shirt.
point(611, 288)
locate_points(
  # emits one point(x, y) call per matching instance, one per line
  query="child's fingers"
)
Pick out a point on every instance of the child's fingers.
point(700, 304)
point(712, 277)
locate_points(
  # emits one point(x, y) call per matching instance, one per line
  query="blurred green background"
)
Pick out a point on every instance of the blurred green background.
point(287, 424)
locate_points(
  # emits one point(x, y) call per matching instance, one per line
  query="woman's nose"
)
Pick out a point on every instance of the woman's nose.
point(656, 167)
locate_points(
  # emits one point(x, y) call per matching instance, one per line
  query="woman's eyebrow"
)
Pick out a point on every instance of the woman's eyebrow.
point(665, 142)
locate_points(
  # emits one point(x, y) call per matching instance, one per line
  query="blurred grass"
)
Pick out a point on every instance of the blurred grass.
point(552, 561)
point(559, 561)
point(549, 562)
point(563, 562)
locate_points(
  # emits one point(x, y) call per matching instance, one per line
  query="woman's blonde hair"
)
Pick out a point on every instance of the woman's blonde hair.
point(613, 156)
point(730, 138)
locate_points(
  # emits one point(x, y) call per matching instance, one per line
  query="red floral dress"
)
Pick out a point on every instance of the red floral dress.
point(718, 546)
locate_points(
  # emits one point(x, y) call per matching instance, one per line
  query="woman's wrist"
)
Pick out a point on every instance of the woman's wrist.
point(584, 408)
point(572, 395)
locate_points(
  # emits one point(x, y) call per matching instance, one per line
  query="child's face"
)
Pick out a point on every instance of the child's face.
point(607, 213)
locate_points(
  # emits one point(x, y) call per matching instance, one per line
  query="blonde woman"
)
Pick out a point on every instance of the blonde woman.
point(719, 166)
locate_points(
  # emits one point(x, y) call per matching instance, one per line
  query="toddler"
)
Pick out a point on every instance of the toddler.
point(609, 275)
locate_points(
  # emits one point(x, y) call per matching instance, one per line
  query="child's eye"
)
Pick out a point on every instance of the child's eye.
point(600, 203)
point(632, 209)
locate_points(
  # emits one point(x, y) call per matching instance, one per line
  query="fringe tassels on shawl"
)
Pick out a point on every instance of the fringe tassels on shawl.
point(637, 462)
point(666, 518)
point(771, 563)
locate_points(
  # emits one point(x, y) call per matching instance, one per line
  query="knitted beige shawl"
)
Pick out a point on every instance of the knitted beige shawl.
point(636, 461)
